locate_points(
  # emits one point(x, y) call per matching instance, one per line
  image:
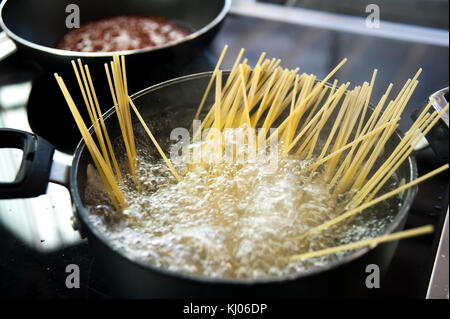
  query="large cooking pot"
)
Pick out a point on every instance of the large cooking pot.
point(165, 106)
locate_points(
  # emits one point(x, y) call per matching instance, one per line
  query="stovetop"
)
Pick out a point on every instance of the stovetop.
point(36, 238)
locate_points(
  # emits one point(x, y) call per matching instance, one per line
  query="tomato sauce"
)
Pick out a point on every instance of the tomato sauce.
point(122, 33)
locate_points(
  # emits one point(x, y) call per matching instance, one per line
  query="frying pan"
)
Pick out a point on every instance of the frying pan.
point(32, 28)
point(165, 106)
point(36, 26)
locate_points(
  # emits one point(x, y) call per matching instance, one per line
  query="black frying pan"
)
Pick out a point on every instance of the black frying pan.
point(165, 106)
point(32, 28)
point(36, 26)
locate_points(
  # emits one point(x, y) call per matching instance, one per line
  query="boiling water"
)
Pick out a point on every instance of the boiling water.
point(229, 220)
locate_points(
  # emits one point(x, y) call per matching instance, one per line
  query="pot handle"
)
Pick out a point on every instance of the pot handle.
point(34, 171)
point(437, 137)
point(7, 46)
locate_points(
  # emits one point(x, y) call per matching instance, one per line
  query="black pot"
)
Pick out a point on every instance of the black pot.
point(165, 106)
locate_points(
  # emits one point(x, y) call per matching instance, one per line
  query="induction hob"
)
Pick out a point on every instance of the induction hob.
point(36, 238)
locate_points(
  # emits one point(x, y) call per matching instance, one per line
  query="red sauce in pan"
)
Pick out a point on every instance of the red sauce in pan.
point(121, 33)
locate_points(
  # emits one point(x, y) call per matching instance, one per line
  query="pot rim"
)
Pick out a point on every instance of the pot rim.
point(76, 54)
point(83, 213)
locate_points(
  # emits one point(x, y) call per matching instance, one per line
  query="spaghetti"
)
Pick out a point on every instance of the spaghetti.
point(329, 128)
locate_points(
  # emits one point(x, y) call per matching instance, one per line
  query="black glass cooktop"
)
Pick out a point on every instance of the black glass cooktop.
point(29, 272)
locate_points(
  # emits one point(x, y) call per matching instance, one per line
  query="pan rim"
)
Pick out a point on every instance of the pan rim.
point(66, 53)
point(84, 215)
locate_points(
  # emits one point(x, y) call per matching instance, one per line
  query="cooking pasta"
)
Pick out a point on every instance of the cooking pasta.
point(332, 186)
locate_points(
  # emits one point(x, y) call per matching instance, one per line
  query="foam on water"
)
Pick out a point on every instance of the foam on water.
point(230, 220)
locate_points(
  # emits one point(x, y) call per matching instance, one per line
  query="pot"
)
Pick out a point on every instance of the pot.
point(32, 28)
point(174, 103)
point(35, 27)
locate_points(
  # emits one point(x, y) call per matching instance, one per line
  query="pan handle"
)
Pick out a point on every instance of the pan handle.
point(36, 166)
point(437, 137)
point(7, 46)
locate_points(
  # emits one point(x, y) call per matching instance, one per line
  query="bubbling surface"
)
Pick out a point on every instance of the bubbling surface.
point(230, 220)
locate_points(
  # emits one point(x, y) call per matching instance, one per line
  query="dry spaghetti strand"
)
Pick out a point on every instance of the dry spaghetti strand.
point(149, 133)
point(365, 243)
